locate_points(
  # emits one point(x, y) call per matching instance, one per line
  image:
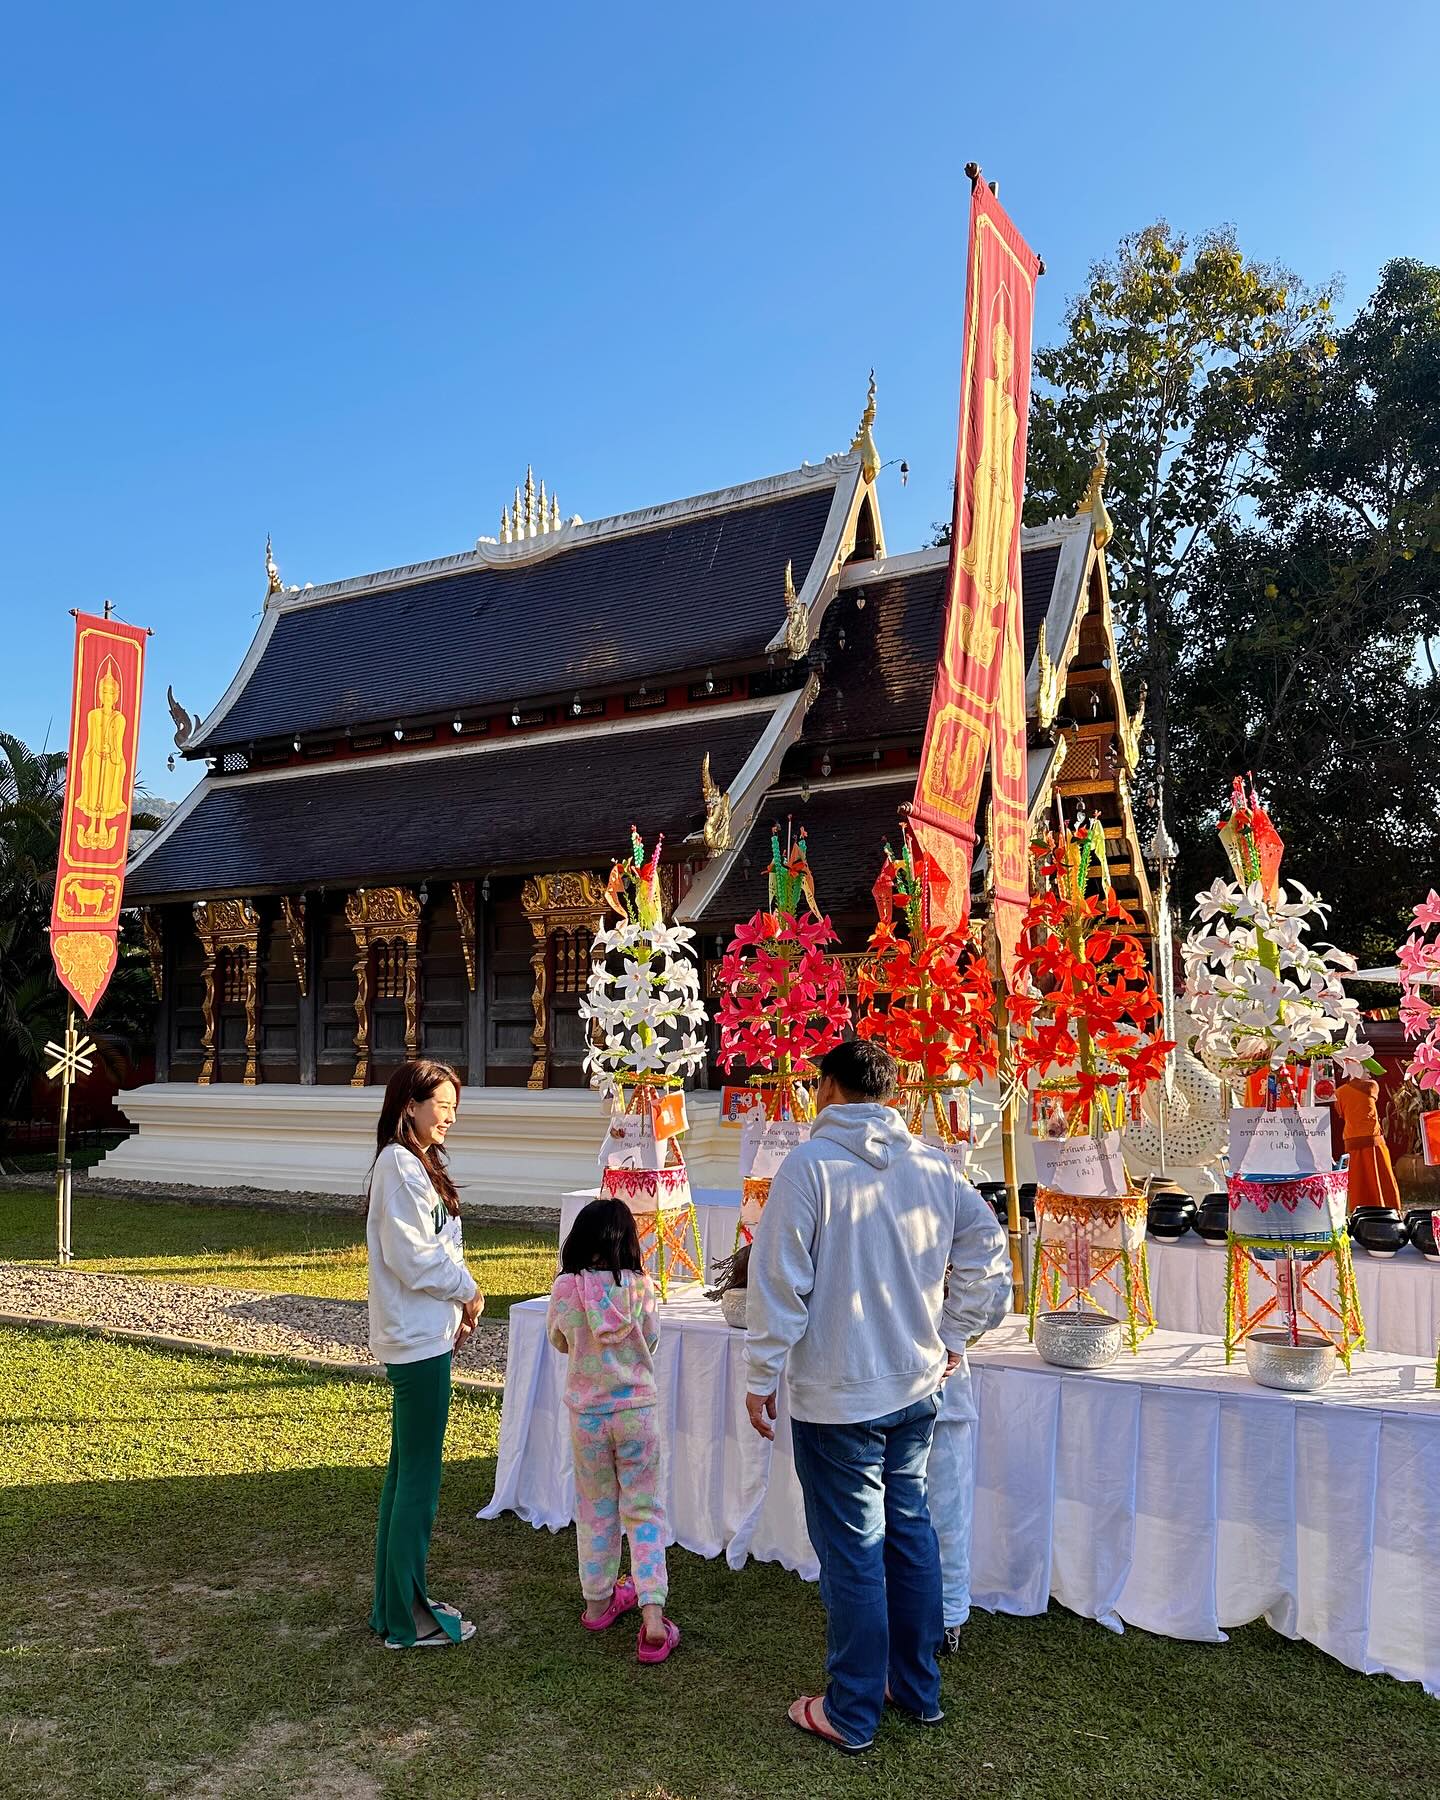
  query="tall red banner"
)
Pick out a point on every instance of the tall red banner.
point(978, 702)
point(99, 789)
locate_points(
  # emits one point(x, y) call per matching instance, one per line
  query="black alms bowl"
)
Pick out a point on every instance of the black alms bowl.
point(1422, 1233)
point(1170, 1215)
point(1379, 1229)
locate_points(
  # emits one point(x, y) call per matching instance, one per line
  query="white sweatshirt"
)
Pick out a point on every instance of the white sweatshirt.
point(847, 1272)
point(418, 1278)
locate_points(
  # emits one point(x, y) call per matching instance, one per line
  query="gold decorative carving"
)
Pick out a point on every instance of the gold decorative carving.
point(231, 926)
point(292, 909)
point(717, 833)
point(273, 583)
point(1092, 501)
point(797, 619)
point(1130, 736)
point(464, 892)
point(388, 916)
point(154, 949)
point(1051, 684)
point(557, 902)
point(864, 438)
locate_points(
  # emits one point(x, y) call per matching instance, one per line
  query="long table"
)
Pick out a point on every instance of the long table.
point(1166, 1492)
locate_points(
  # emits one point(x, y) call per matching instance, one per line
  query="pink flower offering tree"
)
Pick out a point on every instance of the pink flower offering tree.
point(1419, 958)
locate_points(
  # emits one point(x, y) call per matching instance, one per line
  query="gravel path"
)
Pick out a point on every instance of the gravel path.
point(275, 1324)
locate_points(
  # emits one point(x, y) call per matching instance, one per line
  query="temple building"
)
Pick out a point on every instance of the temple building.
point(417, 779)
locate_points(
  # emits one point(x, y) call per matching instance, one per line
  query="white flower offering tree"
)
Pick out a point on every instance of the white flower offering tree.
point(646, 1022)
point(1272, 1013)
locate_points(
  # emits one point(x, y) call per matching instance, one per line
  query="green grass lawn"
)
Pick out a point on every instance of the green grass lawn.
point(236, 1246)
point(186, 1546)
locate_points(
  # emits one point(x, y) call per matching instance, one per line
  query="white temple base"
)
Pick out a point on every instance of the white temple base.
point(508, 1147)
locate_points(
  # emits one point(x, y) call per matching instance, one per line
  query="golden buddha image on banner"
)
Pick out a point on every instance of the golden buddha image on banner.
point(99, 790)
point(977, 708)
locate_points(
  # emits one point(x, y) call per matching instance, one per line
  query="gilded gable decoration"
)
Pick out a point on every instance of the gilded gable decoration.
point(717, 831)
point(385, 923)
point(864, 438)
point(1092, 501)
point(797, 619)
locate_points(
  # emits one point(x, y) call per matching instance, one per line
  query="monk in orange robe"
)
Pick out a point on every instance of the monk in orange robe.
point(1372, 1179)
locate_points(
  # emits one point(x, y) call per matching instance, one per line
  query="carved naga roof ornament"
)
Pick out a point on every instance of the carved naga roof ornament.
point(864, 438)
point(1092, 501)
point(186, 724)
point(717, 830)
point(273, 583)
point(1130, 736)
point(1050, 687)
point(797, 618)
point(535, 514)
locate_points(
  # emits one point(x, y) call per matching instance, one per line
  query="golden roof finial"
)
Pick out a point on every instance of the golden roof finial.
point(797, 618)
point(864, 438)
point(274, 585)
point(1092, 501)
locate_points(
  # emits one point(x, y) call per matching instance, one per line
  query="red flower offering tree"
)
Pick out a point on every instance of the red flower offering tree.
point(927, 995)
point(1085, 1035)
point(783, 1006)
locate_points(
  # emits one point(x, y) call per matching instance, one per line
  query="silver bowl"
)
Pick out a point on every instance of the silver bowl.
point(1077, 1340)
point(1301, 1368)
point(732, 1304)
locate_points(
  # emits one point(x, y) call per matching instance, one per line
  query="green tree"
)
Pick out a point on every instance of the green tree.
point(1309, 649)
point(1175, 351)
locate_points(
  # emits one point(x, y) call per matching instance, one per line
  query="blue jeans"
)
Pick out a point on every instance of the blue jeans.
point(868, 1515)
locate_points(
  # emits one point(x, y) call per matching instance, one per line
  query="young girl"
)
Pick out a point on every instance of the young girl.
point(602, 1316)
point(423, 1305)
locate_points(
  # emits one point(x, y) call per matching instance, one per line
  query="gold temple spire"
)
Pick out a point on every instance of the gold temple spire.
point(864, 438)
point(1092, 501)
point(274, 585)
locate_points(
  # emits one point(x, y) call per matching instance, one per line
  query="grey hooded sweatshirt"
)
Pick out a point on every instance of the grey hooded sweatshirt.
point(847, 1272)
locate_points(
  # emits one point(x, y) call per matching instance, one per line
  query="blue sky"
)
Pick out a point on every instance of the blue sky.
point(340, 273)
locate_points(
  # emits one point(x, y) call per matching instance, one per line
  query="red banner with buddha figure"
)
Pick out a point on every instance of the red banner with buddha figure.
point(977, 707)
point(99, 789)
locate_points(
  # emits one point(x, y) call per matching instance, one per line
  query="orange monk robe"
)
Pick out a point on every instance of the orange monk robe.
point(1372, 1179)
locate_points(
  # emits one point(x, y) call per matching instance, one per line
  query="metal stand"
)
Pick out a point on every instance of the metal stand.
point(76, 1056)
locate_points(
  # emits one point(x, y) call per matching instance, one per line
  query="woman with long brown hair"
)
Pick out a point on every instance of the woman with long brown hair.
point(423, 1305)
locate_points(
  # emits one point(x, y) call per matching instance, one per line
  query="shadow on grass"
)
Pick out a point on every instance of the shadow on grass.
point(207, 1633)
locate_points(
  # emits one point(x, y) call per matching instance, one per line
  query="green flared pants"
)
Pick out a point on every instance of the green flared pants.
point(408, 1502)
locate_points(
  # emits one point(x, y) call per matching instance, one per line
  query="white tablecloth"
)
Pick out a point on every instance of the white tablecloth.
point(1166, 1492)
point(717, 1212)
point(1399, 1295)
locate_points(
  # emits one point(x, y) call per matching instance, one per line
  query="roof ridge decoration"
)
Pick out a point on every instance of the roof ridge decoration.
point(1092, 501)
point(797, 618)
point(274, 585)
point(539, 516)
point(863, 441)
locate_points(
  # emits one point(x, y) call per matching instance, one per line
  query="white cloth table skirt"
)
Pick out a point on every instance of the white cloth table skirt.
point(1166, 1491)
point(717, 1213)
point(1399, 1295)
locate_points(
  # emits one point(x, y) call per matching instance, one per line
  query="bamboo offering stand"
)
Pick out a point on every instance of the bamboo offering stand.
point(1267, 1020)
point(782, 1005)
point(645, 1028)
point(1087, 1038)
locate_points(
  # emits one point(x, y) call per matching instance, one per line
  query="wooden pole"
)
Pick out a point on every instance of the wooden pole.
point(1008, 1113)
point(62, 1209)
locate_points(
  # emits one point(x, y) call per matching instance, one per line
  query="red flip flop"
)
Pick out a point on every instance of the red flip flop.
point(622, 1600)
point(657, 1653)
point(808, 1714)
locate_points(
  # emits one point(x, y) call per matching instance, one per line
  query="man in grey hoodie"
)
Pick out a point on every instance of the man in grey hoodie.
point(848, 1285)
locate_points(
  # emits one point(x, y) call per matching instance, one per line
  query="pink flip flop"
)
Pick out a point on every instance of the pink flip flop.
point(656, 1653)
point(622, 1600)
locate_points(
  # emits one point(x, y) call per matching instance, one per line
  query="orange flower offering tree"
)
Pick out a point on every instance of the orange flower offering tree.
point(1084, 1023)
point(782, 1007)
point(926, 993)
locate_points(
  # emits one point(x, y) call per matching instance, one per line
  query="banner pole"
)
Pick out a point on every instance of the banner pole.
point(62, 1211)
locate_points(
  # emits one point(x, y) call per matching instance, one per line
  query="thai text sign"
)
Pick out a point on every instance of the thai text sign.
point(99, 790)
point(765, 1143)
point(978, 702)
point(1091, 1167)
point(1291, 1140)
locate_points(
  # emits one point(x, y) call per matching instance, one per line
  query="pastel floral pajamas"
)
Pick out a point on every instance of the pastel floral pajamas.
point(618, 1472)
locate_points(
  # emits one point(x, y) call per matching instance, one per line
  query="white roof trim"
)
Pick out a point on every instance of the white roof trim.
point(747, 791)
point(771, 704)
point(832, 472)
point(837, 540)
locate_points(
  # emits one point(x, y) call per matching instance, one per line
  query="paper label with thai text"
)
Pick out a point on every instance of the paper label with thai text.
point(1291, 1140)
point(765, 1143)
point(1091, 1167)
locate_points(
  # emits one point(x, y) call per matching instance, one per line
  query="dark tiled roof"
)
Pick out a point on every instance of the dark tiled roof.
point(529, 807)
point(676, 598)
point(877, 685)
point(847, 831)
